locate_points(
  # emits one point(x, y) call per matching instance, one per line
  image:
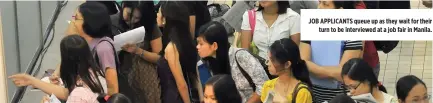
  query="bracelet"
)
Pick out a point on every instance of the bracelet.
point(142, 54)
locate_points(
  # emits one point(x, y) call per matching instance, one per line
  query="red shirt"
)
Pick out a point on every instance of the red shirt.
point(370, 53)
point(360, 5)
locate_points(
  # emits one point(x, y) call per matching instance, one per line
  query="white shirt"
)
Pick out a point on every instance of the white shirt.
point(286, 24)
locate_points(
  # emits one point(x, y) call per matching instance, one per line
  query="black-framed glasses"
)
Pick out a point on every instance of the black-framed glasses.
point(353, 88)
point(75, 17)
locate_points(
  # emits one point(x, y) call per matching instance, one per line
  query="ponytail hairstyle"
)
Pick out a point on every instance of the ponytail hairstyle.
point(285, 50)
point(359, 70)
point(214, 32)
point(115, 98)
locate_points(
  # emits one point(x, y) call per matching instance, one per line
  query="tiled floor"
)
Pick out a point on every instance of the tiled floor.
point(409, 57)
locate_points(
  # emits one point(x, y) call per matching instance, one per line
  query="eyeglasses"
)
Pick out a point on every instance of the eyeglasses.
point(425, 99)
point(352, 88)
point(75, 17)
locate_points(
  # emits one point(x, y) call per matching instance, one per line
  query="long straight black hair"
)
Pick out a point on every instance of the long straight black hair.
point(405, 85)
point(224, 89)
point(129, 4)
point(359, 70)
point(214, 32)
point(177, 28)
point(285, 50)
point(148, 18)
point(77, 62)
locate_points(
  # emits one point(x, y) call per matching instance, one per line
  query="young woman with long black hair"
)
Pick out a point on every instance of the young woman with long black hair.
point(293, 82)
point(79, 72)
point(177, 67)
point(139, 60)
point(221, 89)
point(92, 22)
point(215, 51)
point(360, 80)
point(411, 89)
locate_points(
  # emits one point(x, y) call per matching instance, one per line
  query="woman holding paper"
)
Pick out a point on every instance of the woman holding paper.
point(360, 80)
point(82, 78)
point(139, 59)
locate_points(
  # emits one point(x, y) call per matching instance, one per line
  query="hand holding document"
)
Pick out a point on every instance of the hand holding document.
point(54, 99)
point(130, 37)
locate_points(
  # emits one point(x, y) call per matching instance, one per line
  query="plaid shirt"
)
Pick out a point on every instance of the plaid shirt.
point(82, 95)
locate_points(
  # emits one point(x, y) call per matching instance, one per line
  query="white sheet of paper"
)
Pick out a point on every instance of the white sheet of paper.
point(133, 36)
point(54, 99)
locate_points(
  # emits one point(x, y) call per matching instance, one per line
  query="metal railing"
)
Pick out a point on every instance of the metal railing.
point(19, 93)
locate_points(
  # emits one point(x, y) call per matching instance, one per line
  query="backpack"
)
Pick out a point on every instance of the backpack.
point(252, 21)
point(217, 10)
point(297, 89)
point(245, 74)
point(122, 76)
point(385, 46)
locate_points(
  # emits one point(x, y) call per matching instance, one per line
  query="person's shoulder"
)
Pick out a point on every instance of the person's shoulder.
point(291, 13)
point(170, 48)
point(270, 83)
point(105, 45)
point(389, 98)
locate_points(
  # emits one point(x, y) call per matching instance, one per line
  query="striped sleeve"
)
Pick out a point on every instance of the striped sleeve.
point(353, 45)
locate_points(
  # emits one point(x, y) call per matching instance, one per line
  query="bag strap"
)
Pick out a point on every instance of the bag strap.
point(252, 20)
point(297, 88)
point(244, 73)
point(95, 54)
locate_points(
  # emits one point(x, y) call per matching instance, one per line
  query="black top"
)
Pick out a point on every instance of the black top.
point(169, 91)
point(201, 13)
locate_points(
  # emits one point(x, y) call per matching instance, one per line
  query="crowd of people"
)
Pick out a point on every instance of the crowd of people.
point(270, 64)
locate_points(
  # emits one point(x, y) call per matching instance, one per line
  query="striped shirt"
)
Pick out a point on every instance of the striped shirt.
point(322, 94)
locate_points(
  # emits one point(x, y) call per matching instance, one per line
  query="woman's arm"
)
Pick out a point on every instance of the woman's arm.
point(319, 71)
point(146, 55)
point(172, 57)
point(192, 21)
point(200, 88)
point(111, 78)
point(108, 62)
point(296, 38)
point(48, 88)
point(353, 49)
point(246, 33)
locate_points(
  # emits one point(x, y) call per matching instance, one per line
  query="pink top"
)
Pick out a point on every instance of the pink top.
point(82, 95)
